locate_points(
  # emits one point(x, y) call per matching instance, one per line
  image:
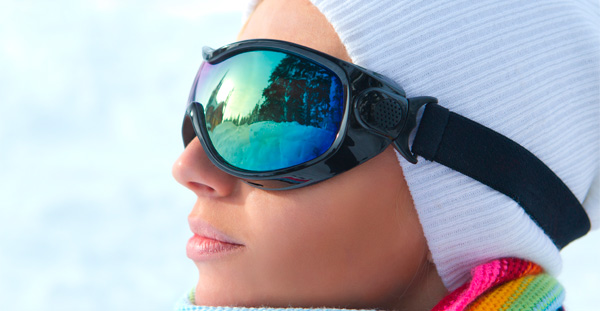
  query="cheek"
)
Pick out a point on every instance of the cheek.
point(346, 245)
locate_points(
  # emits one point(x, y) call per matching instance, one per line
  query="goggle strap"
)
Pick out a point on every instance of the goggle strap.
point(402, 142)
point(502, 164)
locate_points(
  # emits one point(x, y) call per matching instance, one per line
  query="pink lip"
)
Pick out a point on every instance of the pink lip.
point(208, 243)
point(201, 248)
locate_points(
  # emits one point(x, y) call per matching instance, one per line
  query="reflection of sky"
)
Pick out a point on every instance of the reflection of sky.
point(92, 94)
point(247, 74)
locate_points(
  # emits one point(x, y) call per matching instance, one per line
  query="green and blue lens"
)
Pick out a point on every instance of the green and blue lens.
point(267, 110)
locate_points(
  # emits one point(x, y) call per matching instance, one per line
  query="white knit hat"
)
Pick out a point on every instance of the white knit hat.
point(528, 70)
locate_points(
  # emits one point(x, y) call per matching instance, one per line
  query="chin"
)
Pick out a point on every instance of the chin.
point(228, 296)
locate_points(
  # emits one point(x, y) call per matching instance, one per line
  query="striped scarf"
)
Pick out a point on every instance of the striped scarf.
point(506, 284)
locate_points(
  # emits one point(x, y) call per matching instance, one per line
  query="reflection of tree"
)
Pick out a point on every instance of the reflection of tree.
point(214, 116)
point(214, 109)
point(300, 91)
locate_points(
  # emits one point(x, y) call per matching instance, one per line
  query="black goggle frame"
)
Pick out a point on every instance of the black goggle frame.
point(376, 114)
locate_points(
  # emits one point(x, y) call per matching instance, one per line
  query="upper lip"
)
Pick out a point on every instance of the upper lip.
point(201, 228)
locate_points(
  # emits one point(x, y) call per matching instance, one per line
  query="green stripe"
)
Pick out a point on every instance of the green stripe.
point(192, 295)
point(541, 292)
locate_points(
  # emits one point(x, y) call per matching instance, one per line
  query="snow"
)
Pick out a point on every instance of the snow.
point(269, 145)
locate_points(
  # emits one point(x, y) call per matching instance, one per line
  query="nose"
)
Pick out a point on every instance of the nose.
point(194, 170)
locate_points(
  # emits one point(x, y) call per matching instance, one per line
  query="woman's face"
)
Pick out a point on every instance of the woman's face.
point(351, 241)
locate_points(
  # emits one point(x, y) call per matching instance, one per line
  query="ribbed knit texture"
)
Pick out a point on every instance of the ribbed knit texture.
point(187, 304)
point(529, 70)
point(506, 284)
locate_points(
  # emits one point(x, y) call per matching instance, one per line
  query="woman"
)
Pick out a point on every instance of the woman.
point(372, 233)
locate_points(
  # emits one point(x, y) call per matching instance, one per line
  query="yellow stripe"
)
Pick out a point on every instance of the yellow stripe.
point(501, 297)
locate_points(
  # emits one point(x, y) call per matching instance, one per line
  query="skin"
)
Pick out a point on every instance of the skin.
point(353, 241)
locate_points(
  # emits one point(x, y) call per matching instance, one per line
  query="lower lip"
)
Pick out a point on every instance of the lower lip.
point(201, 248)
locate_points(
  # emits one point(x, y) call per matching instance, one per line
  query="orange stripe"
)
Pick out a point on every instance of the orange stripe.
point(501, 297)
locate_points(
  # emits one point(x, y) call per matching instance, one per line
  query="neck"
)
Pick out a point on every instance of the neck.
point(424, 293)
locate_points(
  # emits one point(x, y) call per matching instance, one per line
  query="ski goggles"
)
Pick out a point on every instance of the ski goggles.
point(280, 116)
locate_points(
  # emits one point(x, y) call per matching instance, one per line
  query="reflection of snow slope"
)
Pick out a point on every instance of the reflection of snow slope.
point(269, 145)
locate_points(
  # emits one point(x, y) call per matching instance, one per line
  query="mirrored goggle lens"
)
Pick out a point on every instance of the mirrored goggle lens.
point(267, 110)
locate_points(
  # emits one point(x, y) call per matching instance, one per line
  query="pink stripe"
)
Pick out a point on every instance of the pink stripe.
point(483, 278)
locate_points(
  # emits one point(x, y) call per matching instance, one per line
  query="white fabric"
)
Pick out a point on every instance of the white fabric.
point(530, 70)
point(185, 304)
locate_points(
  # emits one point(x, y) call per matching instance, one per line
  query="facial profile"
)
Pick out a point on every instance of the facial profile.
point(352, 241)
point(301, 157)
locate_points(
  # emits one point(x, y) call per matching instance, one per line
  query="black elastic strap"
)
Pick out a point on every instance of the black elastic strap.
point(504, 165)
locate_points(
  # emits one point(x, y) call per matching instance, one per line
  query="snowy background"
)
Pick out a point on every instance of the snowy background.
point(92, 95)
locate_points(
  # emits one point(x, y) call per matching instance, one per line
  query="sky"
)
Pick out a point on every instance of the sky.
point(243, 97)
point(92, 95)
